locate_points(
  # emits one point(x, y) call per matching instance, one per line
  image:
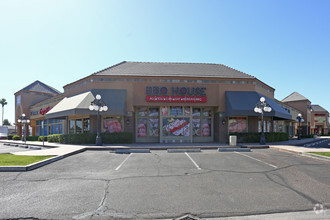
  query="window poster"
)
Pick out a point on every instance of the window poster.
point(112, 125)
point(207, 112)
point(237, 124)
point(142, 127)
point(154, 127)
point(196, 112)
point(176, 127)
point(196, 126)
point(164, 110)
point(153, 112)
point(186, 110)
point(142, 112)
point(176, 110)
point(206, 127)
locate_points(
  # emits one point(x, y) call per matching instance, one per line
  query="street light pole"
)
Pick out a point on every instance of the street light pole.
point(98, 105)
point(299, 119)
point(24, 120)
point(262, 107)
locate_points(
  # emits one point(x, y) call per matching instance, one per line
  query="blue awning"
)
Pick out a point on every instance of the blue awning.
point(242, 103)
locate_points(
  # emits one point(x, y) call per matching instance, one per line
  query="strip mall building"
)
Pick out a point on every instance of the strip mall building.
point(158, 103)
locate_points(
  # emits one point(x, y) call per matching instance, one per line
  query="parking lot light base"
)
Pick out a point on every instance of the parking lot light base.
point(98, 141)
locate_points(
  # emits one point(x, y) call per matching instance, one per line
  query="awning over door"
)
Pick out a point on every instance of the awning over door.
point(242, 103)
point(79, 104)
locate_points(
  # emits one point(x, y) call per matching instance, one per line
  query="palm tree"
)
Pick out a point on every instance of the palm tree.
point(3, 103)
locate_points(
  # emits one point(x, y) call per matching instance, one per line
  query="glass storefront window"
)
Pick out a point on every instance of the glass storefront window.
point(142, 127)
point(207, 112)
point(60, 129)
point(187, 111)
point(196, 112)
point(142, 112)
point(45, 131)
point(176, 110)
point(56, 129)
point(237, 124)
point(113, 124)
point(153, 112)
point(86, 125)
point(164, 110)
point(79, 127)
point(206, 127)
point(38, 131)
point(71, 126)
point(196, 126)
point(176, 127)
point(154, 127)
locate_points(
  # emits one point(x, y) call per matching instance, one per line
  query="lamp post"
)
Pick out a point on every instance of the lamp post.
point(299, 119)
point(24, 120)
point(262, 107)
point(98, 105)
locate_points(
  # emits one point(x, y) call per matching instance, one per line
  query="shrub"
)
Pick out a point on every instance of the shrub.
point(254, 137)
point(10, 137)
point(32, 138)
point(117, 138)
point(88, 138)
point(40, 138)
point(307, 136)
point(54, 138)
point(16, 138)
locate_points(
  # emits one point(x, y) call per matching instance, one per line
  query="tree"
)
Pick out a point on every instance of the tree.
point(6, 122)
point(3, 103)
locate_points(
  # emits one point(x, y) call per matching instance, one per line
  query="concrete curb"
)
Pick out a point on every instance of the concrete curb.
point(254, 146)
point(129, 151)
point(315, 156)
point(284, 150)
point(183, 150)
point(37, 164)
point(30, 166)
point(234, 149)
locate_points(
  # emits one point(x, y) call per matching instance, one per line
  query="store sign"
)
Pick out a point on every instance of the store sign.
point(41, 111)
point(175, 99)
point(175, 94)
point(44, 111)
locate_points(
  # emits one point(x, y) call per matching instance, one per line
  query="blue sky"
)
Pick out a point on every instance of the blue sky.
point(285, 44)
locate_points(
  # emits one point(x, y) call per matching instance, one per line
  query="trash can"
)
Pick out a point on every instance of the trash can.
point(232, 140)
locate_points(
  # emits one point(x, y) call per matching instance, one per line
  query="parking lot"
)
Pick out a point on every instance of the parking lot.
point(103, 185)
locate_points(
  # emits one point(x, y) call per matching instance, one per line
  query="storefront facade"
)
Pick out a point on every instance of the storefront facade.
point(163, 103)
point(316, 118)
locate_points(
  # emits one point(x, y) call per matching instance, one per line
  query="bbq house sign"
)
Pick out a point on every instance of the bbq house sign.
point(175, 94)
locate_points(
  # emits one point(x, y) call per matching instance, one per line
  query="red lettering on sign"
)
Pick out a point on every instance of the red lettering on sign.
point(175, 99)
point(44, 111)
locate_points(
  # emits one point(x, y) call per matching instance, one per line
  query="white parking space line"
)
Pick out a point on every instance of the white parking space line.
point(123, 162)
point(196, 165)
point(256, 159)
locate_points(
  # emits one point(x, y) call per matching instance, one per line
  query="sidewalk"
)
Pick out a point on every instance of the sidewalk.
point(57, 149)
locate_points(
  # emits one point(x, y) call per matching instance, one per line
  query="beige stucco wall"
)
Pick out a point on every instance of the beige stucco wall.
point(136, 91)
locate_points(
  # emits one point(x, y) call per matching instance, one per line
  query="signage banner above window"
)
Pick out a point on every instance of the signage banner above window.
point(175, 99)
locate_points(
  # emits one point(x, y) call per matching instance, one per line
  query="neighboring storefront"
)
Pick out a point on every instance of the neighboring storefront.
point(316, 118)
point(320, 122)
point(163, 103)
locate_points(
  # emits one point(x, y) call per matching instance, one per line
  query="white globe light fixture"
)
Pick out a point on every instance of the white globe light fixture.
point(299, 119)
point(260, 108)
point(24, 120)
point(98, 105)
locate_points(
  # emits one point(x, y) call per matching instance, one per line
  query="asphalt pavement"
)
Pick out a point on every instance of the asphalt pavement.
point(209, 184)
